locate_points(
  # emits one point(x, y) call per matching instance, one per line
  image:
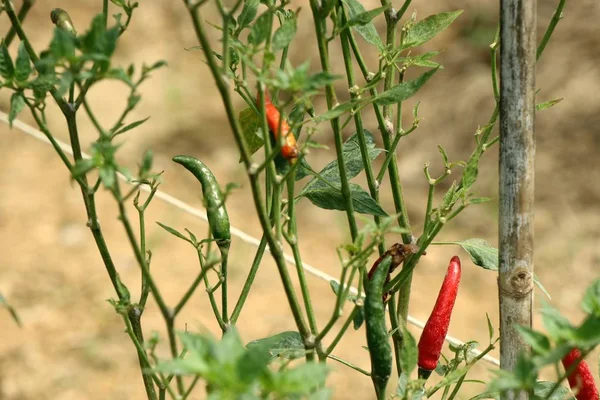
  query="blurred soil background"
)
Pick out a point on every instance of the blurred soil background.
point(72, 344)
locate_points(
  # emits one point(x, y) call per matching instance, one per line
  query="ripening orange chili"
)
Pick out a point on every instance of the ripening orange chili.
point(289, 150)
point(581, 379)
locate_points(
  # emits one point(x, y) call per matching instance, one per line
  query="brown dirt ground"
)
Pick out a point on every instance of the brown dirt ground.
point(72, 344)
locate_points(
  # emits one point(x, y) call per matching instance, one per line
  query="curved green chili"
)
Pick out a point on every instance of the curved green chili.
point(377, 333)
point(218, 219)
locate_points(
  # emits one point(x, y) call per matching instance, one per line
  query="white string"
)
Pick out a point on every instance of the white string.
point(243, 236)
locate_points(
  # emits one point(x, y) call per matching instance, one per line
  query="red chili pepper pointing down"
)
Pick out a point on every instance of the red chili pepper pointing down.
point(289, 150)
point(581, 379)
point(436, 328)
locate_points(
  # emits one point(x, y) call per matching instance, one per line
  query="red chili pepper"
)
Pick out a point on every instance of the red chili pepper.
point(436, 328)
point(289, 150)
point(581, 379)
point(399, 252)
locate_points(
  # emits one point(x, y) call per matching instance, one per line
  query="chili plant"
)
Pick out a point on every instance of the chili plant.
point(273, 134)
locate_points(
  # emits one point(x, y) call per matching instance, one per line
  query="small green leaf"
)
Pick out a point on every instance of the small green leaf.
point(555, 323)
point(403, 90)
point(252, 364)
point(248, 13)
point(331, 198)
point(82, 167)
point(367, 16)
point(335, 112)
point(591, 299)
point(260, 29)
point(471, 171)
point(548, 104)
point(284, 34)
point(543, 388)
point(17, 103)
point(409, 352)
point(287, 345)
point(107, 175)
point(6, 65)
point(482, 254)
point(426, 29)
point(490, 327)
point(422, 60)
point(367, 31)
point(250, 123)
point(300, 380)
point(23, 64)
point(174, 232)
point(42, 84)
point(62, 45)
point(11, 310)
point(130, 126)
point(537, 340)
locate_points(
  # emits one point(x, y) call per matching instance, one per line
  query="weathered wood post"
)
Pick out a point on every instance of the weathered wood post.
point(517, 153)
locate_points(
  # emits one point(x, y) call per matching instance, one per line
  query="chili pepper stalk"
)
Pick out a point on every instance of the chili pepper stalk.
point(399, 252)
point(436, 328)
point(581, 380)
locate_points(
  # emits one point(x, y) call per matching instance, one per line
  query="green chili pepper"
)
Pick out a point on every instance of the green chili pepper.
point(218, 220)
point(377, 333)
point(215, 206)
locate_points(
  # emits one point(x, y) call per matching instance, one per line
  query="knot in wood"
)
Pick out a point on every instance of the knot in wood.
point(518, 284)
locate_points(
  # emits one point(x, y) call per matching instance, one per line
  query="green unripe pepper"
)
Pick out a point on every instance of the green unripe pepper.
point(218, 219)
point(377, 333)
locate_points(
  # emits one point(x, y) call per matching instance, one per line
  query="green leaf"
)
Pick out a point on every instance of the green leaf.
point(482, 254)
point(537, 340)
point(23, 64)
point(13, 313)
point(174, 232)
point(62, 45)
point(367, 16)
point(591, 299)
point(335, 112)
point(287, 345)
point(403, 90)
point(331, 198)
point(301, 380)
point(82, 167)
point(17, 103)
point(130, 126)
point(107, 176)
point(42, 84)
point(252, 364)
point(548, 104)
point(6, 65)
point(422, 60)
point(588, 333)
point(248, 13)
point(367, 31)
point(284, 34)
point(471, 171)
point(250, 123)
point(98, 40)
point(330, 175)
point(409, 352)
point(490, 327)
point(556, 324)
point(543, 388)
point(426, 29)
point(260, 29)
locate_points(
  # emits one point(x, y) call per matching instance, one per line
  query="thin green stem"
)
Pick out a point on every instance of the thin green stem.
point(211, 295)
point(249, 280)
point(397, 339)
point(25, 7)
point(105, 13)
point(349, 364)
point(93, 118)
point(342, 331)
point(358, 123)
point(321, 32)
point(188, 294)
point(550, 30)
point(134, 329)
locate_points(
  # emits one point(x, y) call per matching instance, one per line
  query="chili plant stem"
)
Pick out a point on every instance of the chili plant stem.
point(348, 364)
point(364, 151)
point(211, 294)
point(342, 331)
point(550, 30)
point(249, 280)
point(321, 32)
point(25, 7)
point(275, 247)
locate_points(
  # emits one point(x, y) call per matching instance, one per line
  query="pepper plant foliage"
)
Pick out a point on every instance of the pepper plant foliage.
point(251, 61)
